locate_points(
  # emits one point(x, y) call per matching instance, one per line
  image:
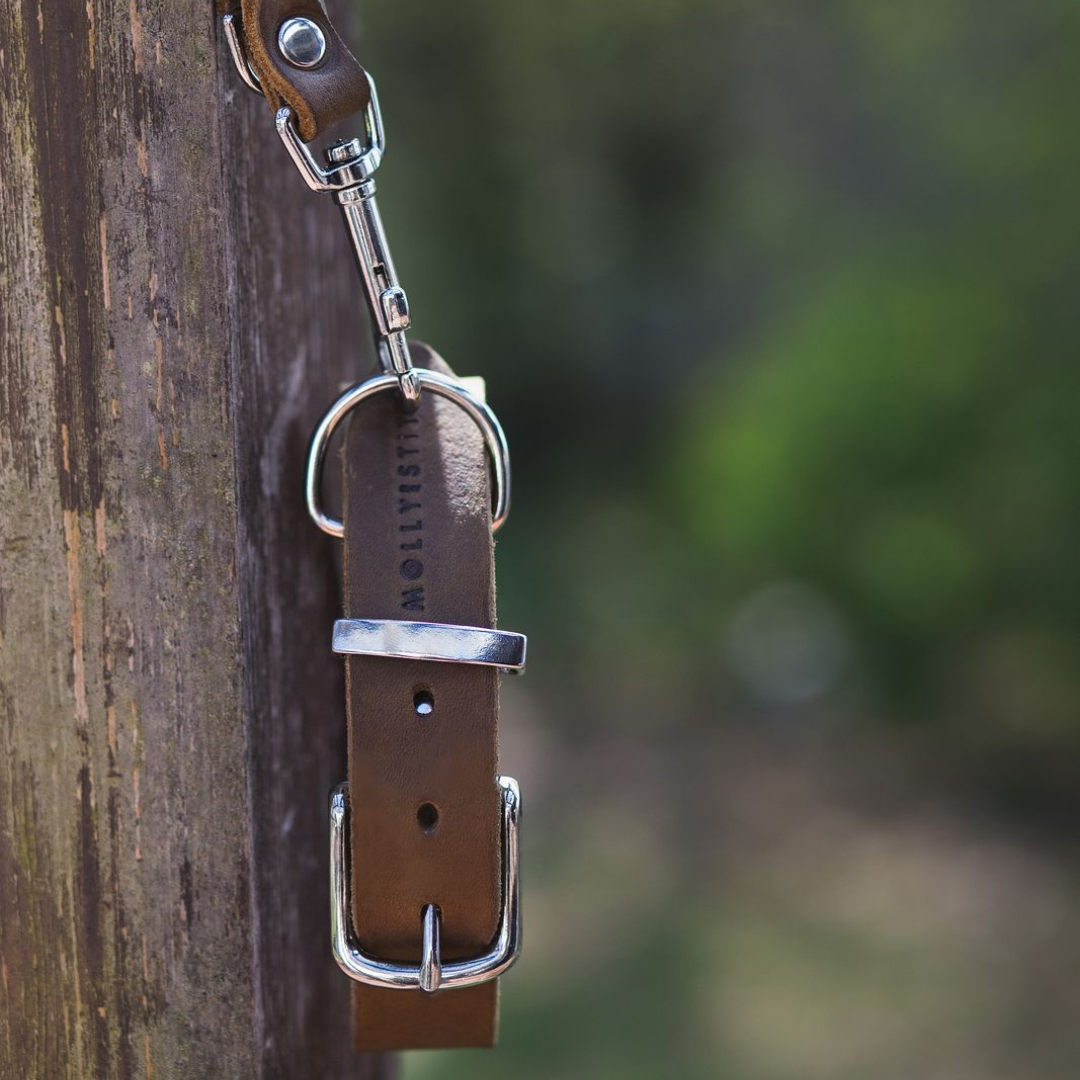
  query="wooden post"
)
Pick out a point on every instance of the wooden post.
point(173, 303)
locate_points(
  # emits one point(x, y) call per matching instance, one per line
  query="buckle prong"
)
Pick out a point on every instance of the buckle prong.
point(431, 958)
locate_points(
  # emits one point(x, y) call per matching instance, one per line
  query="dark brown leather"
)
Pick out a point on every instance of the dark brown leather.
point(418, 546)
point(319, 96)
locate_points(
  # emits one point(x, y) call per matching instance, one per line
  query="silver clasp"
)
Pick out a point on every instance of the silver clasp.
point(349, 178)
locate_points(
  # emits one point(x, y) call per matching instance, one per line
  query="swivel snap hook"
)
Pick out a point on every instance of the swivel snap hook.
point(387, 300)
point(349, 177)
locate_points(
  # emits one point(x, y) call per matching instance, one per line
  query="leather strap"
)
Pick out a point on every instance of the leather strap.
point(418, 546)
point(320, 96)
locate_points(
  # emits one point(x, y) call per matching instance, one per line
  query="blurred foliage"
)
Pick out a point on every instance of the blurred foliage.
point(777, 302)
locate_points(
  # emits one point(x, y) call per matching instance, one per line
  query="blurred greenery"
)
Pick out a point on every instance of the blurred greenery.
point(777, 302)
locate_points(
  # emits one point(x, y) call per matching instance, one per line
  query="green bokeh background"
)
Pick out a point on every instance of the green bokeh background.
point(778, 304)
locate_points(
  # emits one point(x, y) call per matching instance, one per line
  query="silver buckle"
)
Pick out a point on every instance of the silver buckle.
point(431, 973)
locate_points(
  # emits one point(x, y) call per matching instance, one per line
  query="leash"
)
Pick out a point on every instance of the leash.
point(424, 864)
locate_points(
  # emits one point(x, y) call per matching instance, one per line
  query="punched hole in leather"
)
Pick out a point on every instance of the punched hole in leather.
point(425, 809)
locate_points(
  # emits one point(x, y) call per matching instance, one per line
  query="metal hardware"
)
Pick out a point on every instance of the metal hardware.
point(439, 642)
point(353, 161)
point(301, 42)
point(349, 179)
point(386, 299)
point(431, 974)
point(342, 152)
point(357, 160)
point(236, 51)
point(477, 410)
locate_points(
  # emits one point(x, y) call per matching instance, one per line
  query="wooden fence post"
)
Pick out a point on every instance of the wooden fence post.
point(172, 308)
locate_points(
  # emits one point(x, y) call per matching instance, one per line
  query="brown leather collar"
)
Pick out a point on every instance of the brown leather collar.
point(430, 828)
point(425, 807)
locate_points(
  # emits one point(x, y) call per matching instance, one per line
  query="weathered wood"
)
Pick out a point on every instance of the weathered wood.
point(172, 303)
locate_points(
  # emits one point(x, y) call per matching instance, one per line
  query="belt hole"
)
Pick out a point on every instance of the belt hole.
point(424, 702)
point(427, 817)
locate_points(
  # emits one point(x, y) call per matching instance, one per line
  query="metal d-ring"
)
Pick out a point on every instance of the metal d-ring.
point(478, 412)
point(432, 973)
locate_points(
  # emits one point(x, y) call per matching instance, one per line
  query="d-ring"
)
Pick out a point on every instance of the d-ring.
point(478, 412)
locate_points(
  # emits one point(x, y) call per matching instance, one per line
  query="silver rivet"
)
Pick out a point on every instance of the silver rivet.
point(301, 42)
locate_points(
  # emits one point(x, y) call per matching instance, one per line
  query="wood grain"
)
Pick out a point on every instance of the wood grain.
point(172, 307)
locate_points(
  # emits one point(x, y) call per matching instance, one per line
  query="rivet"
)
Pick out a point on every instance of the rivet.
point(301, 42)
